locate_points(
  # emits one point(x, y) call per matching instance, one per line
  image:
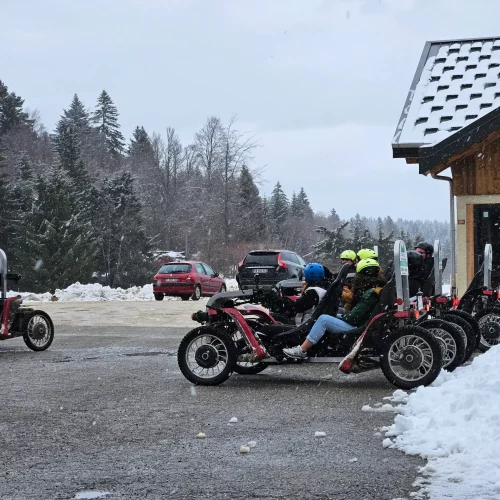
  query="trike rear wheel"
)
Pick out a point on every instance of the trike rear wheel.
point(38, 331)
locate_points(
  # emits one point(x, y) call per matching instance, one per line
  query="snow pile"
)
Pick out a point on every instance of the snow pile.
point(97, 293)
point(455, 424)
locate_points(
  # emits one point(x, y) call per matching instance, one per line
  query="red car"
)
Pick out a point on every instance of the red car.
point(187, 279)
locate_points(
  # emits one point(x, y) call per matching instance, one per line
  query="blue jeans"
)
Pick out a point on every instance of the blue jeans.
point(330, 324)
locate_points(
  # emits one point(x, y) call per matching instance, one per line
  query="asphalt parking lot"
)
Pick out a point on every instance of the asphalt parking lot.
point(106, 411)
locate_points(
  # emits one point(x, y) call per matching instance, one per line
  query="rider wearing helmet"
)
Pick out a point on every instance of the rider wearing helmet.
point(366, 288)
point(426, 250)
point(368, 253)
point(313, 290)
point(348, 257)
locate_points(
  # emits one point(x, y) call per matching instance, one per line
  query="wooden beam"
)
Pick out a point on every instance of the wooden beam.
point(411, 160)
point(469, 232)
point(473, 149)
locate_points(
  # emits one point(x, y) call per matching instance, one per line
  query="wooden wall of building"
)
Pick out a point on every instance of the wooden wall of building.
point(479, 172)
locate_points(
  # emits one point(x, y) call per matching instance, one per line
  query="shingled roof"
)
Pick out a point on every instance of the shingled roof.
point(456, 83)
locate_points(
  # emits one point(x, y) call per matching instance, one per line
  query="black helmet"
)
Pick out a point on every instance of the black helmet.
point(427, 247)
point(414, 261)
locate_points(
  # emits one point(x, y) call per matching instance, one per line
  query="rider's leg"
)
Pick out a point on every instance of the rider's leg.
point(323, 324)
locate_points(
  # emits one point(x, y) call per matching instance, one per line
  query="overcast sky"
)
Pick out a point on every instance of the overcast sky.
point(320, 83)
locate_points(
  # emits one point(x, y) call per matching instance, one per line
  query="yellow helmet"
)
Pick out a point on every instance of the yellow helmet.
point(367, 253)
point(364, 264)
point(348, 255)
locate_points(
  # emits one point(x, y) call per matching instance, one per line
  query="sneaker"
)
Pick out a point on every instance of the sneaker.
point(295, 352)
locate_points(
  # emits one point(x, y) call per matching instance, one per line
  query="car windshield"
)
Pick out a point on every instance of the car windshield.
point(175, 269)
point(262, 259)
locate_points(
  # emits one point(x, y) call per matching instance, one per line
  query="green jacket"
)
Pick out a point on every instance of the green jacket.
point(361, 312)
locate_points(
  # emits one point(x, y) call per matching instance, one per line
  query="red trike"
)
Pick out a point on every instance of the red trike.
point(34, 326)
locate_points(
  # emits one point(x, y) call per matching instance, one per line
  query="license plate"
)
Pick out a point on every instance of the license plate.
point(171, 279)
point(259, 271)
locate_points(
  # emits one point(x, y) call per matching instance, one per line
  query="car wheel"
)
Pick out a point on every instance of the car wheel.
point(197, 293)
point(223, 289)
point(158, 296)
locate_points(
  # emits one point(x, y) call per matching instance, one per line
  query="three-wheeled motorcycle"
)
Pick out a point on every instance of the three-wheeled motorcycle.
point(35, 327)
point(233, 338)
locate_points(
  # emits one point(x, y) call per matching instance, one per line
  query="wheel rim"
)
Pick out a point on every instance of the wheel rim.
point(448, 345)
point(38, 330)
point(410, 358)
point(197, 292)
point(490, 330)
point(206, 356)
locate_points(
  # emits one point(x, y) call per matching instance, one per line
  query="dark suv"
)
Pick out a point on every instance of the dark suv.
point(272, 266)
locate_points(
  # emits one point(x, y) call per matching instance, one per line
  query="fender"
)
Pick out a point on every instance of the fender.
point(255, 311)
point(4, 328)
point(246, 331)
point(347, 363)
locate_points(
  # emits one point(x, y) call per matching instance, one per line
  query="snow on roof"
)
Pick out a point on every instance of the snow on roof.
point(456, 83)
point(454, 424)
point(167, 253)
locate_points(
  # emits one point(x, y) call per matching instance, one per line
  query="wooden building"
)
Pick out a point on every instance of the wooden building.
point(451, 120)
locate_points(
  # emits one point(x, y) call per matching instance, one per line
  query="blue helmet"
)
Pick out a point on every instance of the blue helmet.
point(314, 272)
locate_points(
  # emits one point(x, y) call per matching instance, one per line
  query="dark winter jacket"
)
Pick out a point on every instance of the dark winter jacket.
point(366, 290)
point(415, 281)
point(361, 312)
point(308, 300)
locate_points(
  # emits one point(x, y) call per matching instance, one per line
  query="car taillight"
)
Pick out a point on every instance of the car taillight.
point(190, 278)
point(280, 262)
point(241, 263)
point(399, 301)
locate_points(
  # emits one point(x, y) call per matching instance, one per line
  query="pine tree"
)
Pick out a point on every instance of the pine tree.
point(61, 247)
point(294, 206)
point(21, 209)
point(332, 244)
point(5, 208)
point(106, 119)
point(251, 224)
point(278, 209)
point(123, 245)
point(385, 245)
point(11, 110)
point(77, 116)
point(361, 236)
point(334, 219)
point(68, 146)
point(140, 144)
point(304, 207)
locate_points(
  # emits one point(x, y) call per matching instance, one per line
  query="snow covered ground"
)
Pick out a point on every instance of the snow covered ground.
point(97, 293)
point(455, 425)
